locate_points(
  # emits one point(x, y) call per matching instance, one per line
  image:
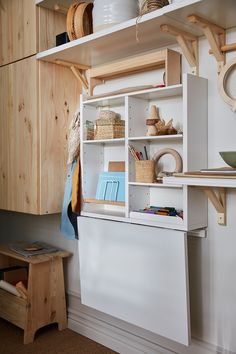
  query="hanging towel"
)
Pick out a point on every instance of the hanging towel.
point(76, 189)
point(68, 218)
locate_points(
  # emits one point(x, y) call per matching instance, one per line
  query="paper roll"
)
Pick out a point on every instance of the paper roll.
point(8, 287)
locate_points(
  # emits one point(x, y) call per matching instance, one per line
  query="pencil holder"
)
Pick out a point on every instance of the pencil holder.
point(145, 171)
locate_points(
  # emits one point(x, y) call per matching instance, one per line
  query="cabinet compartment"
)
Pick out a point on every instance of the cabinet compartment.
point(166, 163)
point(90, 112)
point(13, 308)
point(138, 274)
point(96, 158)
point(145, 196)
point(139, 110)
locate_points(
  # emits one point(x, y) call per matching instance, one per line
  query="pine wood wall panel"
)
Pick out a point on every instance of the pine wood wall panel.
point(18, 21)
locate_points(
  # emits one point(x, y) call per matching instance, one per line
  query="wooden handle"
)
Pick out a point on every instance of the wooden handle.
point(174, 153)
point(222, 84)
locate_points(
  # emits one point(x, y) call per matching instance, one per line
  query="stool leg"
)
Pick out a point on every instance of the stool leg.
point(29, 336)
point(60, 301)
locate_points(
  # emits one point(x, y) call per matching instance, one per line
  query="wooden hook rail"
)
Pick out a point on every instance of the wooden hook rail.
point(215, 36)
point(226, 48)
point(188, 44)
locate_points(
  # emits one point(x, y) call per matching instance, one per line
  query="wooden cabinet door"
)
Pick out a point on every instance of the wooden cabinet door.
point(38, 101)
point(59, 96)
point(17, 30)
point(19, 137)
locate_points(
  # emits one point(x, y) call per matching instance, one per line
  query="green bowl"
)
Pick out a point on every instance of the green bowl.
point(229, 157)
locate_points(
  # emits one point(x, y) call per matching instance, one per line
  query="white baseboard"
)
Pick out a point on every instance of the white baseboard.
point(125, 338)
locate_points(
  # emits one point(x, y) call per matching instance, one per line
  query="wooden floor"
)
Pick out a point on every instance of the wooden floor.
point(47, 341)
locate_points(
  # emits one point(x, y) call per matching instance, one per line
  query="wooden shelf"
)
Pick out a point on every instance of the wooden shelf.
point(159, 137)
point(105, 141)
point(90, 50)
point(104, 202)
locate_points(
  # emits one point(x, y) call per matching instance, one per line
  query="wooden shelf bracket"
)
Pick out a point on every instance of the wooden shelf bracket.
point(215, 36)
point(81, 76)
point(79, 70)
point(217, 196)
point(188, 44)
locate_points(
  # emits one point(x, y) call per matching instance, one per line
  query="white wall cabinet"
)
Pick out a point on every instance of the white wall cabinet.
point(136, 269)
point(187, 105)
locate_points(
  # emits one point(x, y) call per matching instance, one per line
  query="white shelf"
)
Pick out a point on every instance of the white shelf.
point(106, 214)
point(120, 40)
point(156, 138)
point(160, 92)
point(146, 94)
point(157, 220)
point(201, 182)
point(155, 185)
point(105, 141)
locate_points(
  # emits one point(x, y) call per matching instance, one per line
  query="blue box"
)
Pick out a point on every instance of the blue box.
point(111, 186)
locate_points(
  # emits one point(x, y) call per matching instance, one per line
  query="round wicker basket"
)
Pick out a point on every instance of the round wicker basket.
point(79, 20)
point(152, 5)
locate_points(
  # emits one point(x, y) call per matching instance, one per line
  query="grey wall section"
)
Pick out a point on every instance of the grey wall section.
point(212, 261)
point(17, 226)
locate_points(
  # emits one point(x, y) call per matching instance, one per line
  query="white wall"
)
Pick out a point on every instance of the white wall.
point(212, 260)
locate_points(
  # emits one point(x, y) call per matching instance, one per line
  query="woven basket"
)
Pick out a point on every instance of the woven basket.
point(108, 117)
point(109, 132)
point(145, 171)
point(152, 5)
point(89, 133)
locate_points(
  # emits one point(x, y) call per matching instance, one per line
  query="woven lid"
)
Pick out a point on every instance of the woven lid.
point(107, 114)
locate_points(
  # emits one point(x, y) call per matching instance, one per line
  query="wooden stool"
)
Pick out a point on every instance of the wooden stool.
point(45, 303)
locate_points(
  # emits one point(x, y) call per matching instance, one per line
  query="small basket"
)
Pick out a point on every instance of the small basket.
point(145, 171)
point(109, 125)
point(152, 5)
point(89, 132)
point(109, 132)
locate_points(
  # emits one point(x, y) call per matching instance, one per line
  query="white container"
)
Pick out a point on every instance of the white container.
point(107, 13)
